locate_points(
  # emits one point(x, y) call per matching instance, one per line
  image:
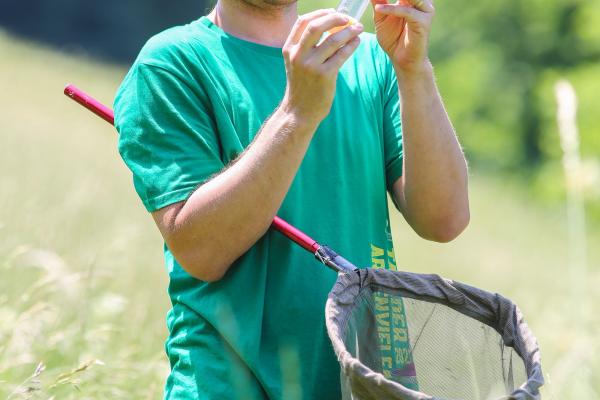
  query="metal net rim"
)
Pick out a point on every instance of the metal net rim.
point(492, 309)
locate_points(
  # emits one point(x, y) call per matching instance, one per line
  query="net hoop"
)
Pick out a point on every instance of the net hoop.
point(491, 309)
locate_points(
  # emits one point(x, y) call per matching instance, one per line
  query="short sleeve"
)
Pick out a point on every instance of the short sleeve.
point(167, 137)
point(392, 127)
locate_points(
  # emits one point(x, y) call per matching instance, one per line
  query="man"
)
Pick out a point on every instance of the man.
point(250, 112)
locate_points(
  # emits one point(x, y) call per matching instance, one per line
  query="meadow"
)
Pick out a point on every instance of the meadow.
point(83, 288)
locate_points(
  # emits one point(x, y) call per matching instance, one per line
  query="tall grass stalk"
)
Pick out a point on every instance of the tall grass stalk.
point(569, 139)
point(578, 358)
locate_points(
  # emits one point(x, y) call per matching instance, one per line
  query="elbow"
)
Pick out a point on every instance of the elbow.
point(207, 274)
point(448, 233)
point(447, 227)
point(197, 249)
point(201, 264)
point(204, 269)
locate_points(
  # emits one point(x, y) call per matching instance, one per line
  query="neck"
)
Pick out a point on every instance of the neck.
point(266, 24)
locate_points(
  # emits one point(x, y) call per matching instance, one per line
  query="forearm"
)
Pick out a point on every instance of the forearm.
point(225, 216)
point(433, 193)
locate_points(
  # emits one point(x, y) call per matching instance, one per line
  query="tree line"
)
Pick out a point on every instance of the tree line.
point(111, 29)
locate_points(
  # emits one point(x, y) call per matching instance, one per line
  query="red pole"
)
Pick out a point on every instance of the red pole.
point(295, 234)
point(90, 103)
point(107, 114)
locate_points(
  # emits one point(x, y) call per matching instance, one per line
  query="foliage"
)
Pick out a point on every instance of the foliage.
point(511, 47)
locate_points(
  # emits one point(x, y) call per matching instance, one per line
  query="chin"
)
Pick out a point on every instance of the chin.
point(280, 2)
point(272, 3)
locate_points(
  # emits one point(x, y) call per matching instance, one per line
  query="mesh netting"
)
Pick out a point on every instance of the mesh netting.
point(409, 336)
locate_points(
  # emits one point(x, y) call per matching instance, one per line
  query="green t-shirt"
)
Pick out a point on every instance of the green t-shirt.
point(193, 100)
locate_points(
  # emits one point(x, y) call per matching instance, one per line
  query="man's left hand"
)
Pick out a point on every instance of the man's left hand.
point(403, 30)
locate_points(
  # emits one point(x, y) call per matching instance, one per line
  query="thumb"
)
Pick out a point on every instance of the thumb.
point(377, 16)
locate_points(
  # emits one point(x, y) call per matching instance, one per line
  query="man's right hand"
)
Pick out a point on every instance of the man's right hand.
point(312, 65)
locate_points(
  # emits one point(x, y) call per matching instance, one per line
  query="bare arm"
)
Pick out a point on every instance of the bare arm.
point(432, 194)
point(204, 233)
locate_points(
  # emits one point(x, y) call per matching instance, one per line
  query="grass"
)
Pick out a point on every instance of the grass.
point(81, 273)
point(83, 290)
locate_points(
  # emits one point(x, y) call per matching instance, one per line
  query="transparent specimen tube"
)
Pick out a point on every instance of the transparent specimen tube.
point(353, 8)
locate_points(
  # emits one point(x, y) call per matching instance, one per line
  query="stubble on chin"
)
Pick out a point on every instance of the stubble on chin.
point(280, 3)
point(268, 5)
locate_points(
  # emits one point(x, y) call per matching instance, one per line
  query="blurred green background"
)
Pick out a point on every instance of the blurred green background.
point(82, 286)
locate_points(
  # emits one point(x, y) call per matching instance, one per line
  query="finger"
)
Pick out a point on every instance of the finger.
point(302, 21)
point(337, 40)
point(422, 5)
point(409, 13)
point(374, 3)
point(343, 54)
point(317, 27)
point(339, 28)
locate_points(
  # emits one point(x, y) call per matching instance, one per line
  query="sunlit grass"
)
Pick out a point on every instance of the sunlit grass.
point(81, 275)
point(82, 286)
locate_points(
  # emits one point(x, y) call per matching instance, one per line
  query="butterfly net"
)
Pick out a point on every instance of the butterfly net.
point(410, 336)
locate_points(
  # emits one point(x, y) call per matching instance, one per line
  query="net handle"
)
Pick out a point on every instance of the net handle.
point(322, 253)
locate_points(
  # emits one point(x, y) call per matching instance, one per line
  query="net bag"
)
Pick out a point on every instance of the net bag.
point(407, 336)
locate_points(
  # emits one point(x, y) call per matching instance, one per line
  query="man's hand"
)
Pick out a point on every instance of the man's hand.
point(403, 32)
point(312, 66)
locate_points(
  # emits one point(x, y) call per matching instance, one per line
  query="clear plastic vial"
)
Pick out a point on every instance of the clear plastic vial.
point(353, 8)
